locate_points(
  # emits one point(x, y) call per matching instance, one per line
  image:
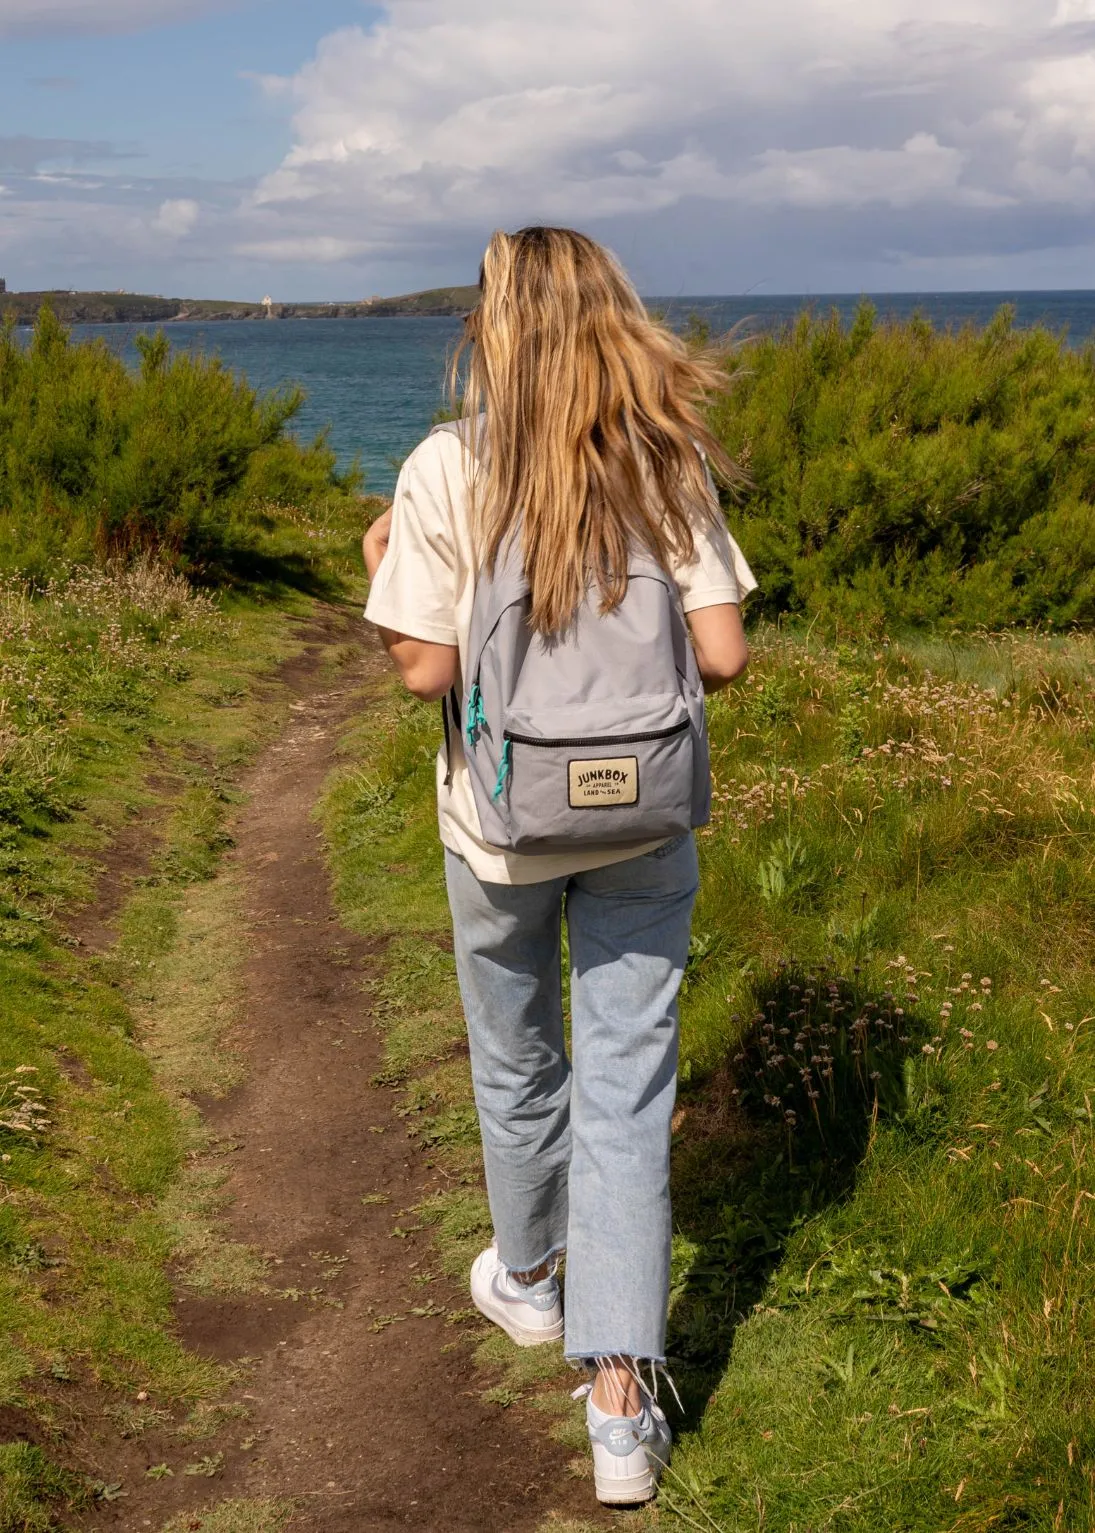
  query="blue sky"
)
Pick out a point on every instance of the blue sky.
point(178, 94)
point(337, 149)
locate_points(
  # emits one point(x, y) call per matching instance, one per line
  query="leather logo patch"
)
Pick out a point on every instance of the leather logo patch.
point(606, 784)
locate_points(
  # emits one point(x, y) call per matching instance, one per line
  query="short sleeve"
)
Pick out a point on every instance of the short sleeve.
point(718, 571)
point(414, 591)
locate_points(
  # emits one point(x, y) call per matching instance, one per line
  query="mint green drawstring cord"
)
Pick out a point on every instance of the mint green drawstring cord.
point(476, 715)
point(505, 766)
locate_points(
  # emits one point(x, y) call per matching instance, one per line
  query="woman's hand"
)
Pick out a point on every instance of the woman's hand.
point(374, 545)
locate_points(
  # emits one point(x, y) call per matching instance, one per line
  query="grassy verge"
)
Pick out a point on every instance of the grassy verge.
point(129, 703)
point(882, 1276)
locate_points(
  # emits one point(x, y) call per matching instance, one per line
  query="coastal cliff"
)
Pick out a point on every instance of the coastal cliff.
point(143, 308)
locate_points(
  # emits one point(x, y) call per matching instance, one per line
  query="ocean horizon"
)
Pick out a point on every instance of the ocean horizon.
point(373, 384)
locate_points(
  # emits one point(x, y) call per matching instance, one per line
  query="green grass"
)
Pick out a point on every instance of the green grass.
point(32, 1489)
point(881, 1307)
point(266, 1515)
point(126, 689)
point(122, 689)
point(880, 1316)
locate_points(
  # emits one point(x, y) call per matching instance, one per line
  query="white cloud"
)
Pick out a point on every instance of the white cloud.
point(1069, 11)
point(494, 113)
point(30, 18)
point(177, 216)
point(1061, 97)
point(71, 233)
point(872, 133)
point(317, 247)
point(56, 178)
point(921, 170)
point(24, 153)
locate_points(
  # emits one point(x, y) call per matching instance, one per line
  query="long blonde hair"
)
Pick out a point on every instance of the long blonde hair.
point(594, 417)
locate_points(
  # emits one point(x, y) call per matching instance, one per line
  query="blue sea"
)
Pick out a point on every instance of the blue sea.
point(374, 384)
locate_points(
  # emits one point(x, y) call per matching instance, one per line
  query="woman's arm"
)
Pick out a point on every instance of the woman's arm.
point(718, 639)
point(427, 670)
point(374, 545)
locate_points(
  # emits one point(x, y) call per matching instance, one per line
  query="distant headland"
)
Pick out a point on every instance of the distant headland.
point(142, 308)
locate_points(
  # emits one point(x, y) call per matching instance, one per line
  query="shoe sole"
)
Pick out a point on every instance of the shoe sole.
point(632, 1489)
point(523, 1335)
point(629, 1492)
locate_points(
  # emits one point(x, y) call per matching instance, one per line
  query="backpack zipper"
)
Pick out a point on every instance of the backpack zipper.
point(651, 734)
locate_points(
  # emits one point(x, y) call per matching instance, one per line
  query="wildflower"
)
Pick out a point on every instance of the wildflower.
point(992, 1045)
point(965, 1032)
point(927, 1049)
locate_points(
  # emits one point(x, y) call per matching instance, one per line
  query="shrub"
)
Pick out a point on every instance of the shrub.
point(902, 474)
point(99, 461)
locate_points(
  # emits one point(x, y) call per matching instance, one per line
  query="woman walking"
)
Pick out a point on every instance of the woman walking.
point(534, 574)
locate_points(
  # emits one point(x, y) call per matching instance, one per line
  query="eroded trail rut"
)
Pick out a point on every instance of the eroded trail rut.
point(371, 1429)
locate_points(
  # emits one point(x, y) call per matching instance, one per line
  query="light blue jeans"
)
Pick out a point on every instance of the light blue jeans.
point(577, 1151)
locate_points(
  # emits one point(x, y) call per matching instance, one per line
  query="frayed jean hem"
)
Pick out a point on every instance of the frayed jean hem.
point(592, 1361)
point(552, 1256)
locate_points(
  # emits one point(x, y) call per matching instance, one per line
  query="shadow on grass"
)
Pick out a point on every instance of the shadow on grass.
point(772, 1139)
point(258, 572)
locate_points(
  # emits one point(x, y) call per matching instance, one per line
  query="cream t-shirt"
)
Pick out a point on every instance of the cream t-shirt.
point(424, 588)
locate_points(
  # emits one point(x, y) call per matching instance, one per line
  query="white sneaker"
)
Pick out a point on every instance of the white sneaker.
point(629, 1452)
point(529, 1313)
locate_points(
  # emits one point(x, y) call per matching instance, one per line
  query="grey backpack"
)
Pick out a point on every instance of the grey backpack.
point(597, 737)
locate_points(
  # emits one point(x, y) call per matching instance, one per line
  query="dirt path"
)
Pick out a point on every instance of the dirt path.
point(372, 1427)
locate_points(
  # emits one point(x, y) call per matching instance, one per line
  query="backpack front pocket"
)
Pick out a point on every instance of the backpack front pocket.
point(594, 783)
